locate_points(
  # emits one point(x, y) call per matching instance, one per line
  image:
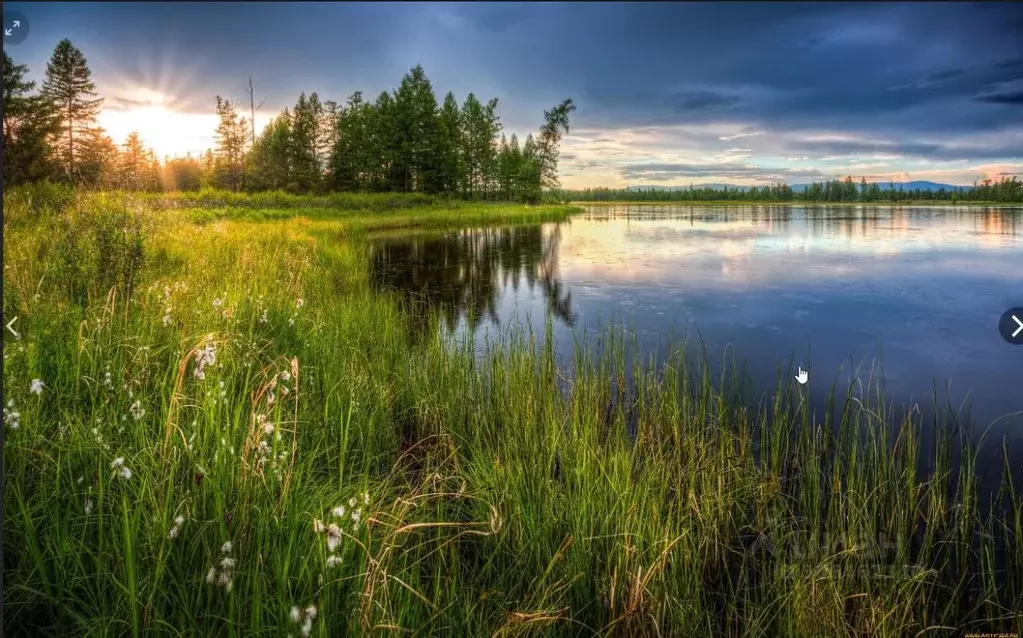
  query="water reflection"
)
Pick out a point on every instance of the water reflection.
point(460, 276)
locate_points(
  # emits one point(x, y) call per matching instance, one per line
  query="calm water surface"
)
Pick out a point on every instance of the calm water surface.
point(833, 289)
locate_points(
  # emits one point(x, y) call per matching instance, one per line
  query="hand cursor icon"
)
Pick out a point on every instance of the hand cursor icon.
point(803, 376)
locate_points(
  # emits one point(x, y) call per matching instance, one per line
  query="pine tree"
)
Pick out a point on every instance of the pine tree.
point(416, 132)
point(97, 159)
point(29, 123)
point(133, 164)
point(305, 142)
point(69, 87)
point(555, 125)
point(230, 137)
point(270, 156)
point(450, 167)
point(348, 165)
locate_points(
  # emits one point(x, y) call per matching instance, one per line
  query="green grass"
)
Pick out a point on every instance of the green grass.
point(499, 499)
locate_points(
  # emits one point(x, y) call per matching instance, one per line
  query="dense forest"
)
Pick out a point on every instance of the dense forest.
point(401, 141)
point(1005, 190)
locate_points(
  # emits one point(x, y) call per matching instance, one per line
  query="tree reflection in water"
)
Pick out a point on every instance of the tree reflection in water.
point(461, 274)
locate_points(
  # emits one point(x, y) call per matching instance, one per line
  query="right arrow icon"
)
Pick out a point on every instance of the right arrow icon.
point(1010, 326)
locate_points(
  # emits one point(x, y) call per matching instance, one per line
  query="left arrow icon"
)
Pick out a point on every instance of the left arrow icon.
point(13, 331)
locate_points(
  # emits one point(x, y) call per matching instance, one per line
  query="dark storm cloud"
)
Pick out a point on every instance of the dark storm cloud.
point(673, 170)
point(920, 75)
point(703, 101)
point(1002, 98)
point(932, 151)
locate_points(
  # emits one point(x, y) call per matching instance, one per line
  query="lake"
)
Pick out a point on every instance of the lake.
point(835, 290)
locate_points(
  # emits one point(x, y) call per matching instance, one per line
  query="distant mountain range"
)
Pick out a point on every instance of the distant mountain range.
point(908, 186)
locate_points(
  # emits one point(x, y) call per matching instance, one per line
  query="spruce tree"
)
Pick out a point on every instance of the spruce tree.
point(70, 88)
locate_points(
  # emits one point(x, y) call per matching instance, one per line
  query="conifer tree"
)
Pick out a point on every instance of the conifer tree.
point(70, 89)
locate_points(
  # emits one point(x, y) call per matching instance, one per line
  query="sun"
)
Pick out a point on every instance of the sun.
point(167, 131)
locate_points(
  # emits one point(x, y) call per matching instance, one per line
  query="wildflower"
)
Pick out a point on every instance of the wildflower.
point(217, 303)
point(333, 536)
point(173, 533)
point(166, 318)
point(285, 375)
point(268, 428)
point(263, 318)
point(318, 526)
point(305, 617)
point(299, 303)
point(333, 561)
point(80, 479)
point(36, 387)
point(365, 498)
point(137, 411)
point(356, 515)
point(88, 505)
point(206, 356)
point(12, 418)
point(222, 569)
point(339, 512)
point(107, 380)
point(120, 469)
point(351, 502)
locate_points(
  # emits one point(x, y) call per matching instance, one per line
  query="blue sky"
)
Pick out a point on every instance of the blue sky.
point(666, 93)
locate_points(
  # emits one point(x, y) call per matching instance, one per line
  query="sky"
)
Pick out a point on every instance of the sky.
point(666, 94)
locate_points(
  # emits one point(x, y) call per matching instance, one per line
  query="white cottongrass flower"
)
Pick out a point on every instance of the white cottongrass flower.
point(333, 561)
point(318, 527)
point(365, 498)
point(356, 515)
point(120, 469)
point(88, 505)
point(222, 569)
point(306, 617)
point(285, 375)
point(339, 511)
point(36, 387)
point(137, 411)
point(12, 418)
point(205, 357)
point(173, 533)
point(263, 317)
point(108, 380)
point(299, 303)
point(333, 537)
point(218, 302)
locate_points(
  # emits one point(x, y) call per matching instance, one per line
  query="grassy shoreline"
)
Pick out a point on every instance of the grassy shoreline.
point(254, 386)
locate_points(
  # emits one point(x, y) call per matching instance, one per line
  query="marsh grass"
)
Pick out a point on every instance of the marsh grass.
point(495, 495)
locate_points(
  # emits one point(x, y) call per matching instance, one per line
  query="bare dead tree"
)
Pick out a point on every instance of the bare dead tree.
point(254, 107)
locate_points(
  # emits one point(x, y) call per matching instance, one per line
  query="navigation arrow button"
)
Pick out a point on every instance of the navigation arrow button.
point(1010, 326)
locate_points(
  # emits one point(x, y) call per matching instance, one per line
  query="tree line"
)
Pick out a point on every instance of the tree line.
point(401, 141)
point(1005, 189)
